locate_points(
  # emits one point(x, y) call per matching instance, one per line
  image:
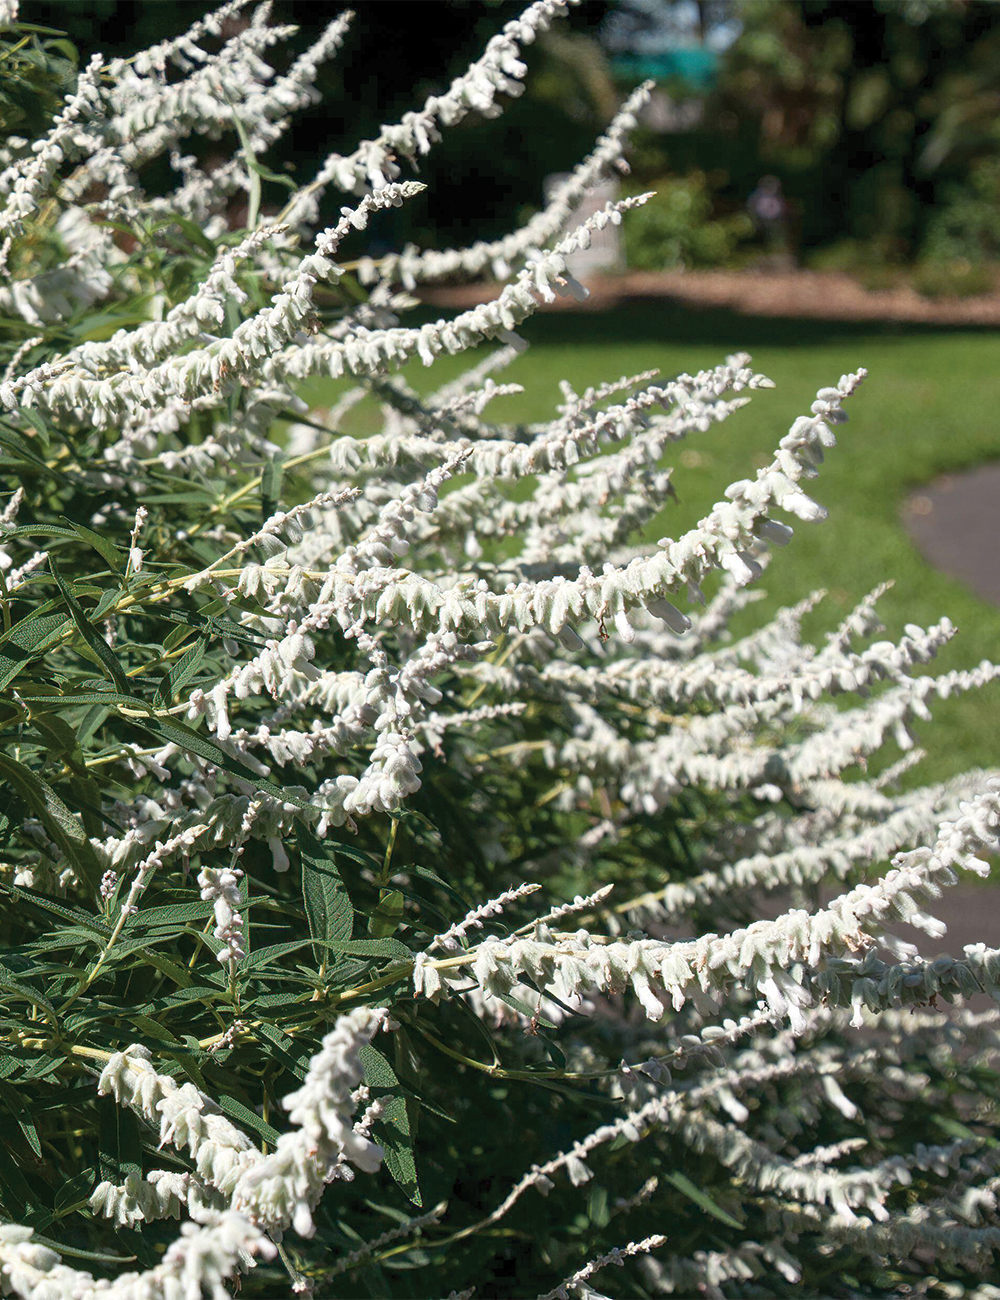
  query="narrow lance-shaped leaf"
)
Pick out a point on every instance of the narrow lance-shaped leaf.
point(90, 634)
point(327, 903)
point(62, 825)
point(12, 987)
point(26, 641)
point(394, 1130)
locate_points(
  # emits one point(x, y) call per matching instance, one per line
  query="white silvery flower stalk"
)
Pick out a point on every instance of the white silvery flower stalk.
point(23, 184)
point(609, 596)
point(616, 1256)
point(162, 1194)
point(580, 903)
point(449, 940)
point(369, 352)
point(220, 362)
point(373, 162)
point(201, 1258)
point(14, 364)
point(408, 1228)
point(135, 554)
point(466, 602)
point(268, 109)
point(178, 843)
point(222, 886)
point(283, 1188)
point(412, 267)
point(183, 50)
point(149, 114)
point(762, 954)
point(203, 311)
point(183, 1116)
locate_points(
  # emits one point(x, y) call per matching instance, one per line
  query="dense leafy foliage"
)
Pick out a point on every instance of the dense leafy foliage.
point(372, 814)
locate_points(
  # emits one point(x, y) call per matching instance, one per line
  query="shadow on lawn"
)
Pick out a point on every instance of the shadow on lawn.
point(668, 321)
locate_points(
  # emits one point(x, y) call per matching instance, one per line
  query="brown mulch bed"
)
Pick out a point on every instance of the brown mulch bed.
point(822, 295)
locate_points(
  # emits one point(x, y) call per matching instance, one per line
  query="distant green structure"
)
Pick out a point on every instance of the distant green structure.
point(697, 66)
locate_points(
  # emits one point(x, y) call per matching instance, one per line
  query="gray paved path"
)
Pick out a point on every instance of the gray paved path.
point(955, 523)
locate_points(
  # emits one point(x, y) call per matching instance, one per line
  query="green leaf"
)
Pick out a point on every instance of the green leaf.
point(20, 894)
point(196, 235)
point(119, 1141)
point(73, 1252)
point(275, 177)
point(213, 625)
point(387, 916)
point(21, 447)
point(42, 530)
point(598, 1211)
point(169, 916)
point(18, 1198)
point(248, 1118)
point(180, 673)
point(245, 907)
point(26, 640)
point(64, 828)
point(270, 487)
point(73, 1192)
point(143, 945)
point(14, 1101)
point(57, 735)
point(517, 1005)
point(195, 993)
point(42, 1068)
point(13, 987)
point(87, 697)
point(372, 948)
point(250, 158)
point(378, 1072)
point(388, 948)
point(425, 873)
point(115, 557)
point(293, 1054)
point(153, 1029)
point(702, 1199)
point(327, 903)
point(90, 634)
point(393, 1130)
point(264, 956)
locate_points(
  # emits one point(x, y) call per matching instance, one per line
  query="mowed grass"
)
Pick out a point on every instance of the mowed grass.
point(931, 404)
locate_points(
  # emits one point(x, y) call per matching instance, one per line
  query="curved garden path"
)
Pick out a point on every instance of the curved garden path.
point(955, 523)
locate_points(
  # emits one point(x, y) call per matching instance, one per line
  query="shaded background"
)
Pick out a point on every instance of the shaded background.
point(880, 119)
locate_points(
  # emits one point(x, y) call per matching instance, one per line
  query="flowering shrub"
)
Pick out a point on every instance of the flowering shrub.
point(384, 824)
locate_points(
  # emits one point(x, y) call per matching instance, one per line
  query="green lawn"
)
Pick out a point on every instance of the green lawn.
point(931, 404)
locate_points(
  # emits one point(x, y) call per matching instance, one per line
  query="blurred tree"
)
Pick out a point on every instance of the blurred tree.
point(872, 113)
point(877, 116)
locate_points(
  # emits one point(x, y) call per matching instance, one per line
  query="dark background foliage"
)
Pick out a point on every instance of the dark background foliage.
point(395, 55)
point(879, 117)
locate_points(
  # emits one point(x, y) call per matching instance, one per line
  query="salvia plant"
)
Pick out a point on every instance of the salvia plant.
point(385, 825)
